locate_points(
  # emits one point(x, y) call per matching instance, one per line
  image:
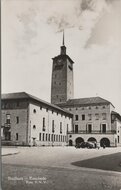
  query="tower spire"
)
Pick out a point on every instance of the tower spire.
point(63, 39)
point(63, 48)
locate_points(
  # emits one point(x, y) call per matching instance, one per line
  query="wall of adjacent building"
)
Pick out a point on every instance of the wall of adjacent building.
point(116, 124)
point(95, 120)
point(19, 128)
point(36, 115)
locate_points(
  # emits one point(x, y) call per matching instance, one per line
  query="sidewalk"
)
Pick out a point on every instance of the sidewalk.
point(9, 151)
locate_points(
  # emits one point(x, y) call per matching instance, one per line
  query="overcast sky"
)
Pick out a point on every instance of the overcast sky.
point(32, 35)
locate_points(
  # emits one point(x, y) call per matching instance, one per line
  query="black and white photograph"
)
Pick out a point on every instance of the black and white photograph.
point(61, 94)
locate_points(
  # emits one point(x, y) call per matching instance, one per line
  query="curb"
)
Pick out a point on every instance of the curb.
point(10, 154)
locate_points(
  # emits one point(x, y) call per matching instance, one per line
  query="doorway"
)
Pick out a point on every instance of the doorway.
point(7, 135)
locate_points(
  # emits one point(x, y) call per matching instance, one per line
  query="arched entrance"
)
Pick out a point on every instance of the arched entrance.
point(79, 140)
point(92, 139)
point(105, 141)
point(70, 143)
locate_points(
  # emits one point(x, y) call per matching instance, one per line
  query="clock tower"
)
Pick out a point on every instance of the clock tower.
point(62, 77)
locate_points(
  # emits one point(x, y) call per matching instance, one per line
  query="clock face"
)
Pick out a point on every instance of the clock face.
point(59, 60)
point(58, 65)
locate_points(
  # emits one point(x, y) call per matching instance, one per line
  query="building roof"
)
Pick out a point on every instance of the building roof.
point(17, 95)
point(118, 116)
point(85, 102)
point(24, 95)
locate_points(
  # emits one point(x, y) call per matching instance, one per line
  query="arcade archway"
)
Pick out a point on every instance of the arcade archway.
point(92, 139)
point(79, 140)
point(105, 141)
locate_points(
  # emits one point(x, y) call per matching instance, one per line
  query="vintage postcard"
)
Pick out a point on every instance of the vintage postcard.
point(61, 92)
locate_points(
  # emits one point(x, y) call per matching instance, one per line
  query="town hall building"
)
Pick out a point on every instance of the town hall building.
point(94, 118)
point(30, 121)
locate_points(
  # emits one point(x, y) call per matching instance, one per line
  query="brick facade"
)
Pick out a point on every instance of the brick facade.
point(62, 78)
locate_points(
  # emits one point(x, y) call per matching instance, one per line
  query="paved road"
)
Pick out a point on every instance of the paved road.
point(54, 164)
point(55, 156)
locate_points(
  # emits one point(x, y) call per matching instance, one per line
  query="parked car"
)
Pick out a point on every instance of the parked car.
point(81, 145)
point(90, 144)
point(85, 145)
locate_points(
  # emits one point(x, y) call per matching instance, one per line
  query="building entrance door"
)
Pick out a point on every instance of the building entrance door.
point(7, 136)
point(89, 128)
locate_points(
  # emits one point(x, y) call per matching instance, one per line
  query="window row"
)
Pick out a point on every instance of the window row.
point(83, 108)
point(52, 137)
point(48, 137)
point(34, 111)
point(53, 126)
point(89, 128)
point(90, 116)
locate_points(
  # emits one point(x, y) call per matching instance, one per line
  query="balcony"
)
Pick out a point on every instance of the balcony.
point(93, 132)
point(7, 125)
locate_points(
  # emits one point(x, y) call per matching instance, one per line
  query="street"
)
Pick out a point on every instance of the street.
point(57, 168)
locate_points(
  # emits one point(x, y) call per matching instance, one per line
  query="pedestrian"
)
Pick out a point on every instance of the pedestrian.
point(95, 145)
point(103, 145)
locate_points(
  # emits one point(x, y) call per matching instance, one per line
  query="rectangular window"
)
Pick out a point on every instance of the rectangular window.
point(43, 124)
point(118, 139)
point(52, 137)
point(76, 117)
point(46, 137)
point(90, 116)
point(89, 128)
point(83, 117)
point(53, 129)
point(39, 136)
point(16, 136)
point(49, 137)
point(97, 116)
point(104, 128)
point(57, 138)
point(61, 138)
point(67, 128)
point(60, 127)
point(76, 128)
point(17, 119)
point(104, 116)
point(8, 118)
point(43, 136)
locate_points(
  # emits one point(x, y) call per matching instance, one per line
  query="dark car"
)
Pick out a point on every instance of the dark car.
point(90, 144)
point(81, 145)
point(85, 145)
